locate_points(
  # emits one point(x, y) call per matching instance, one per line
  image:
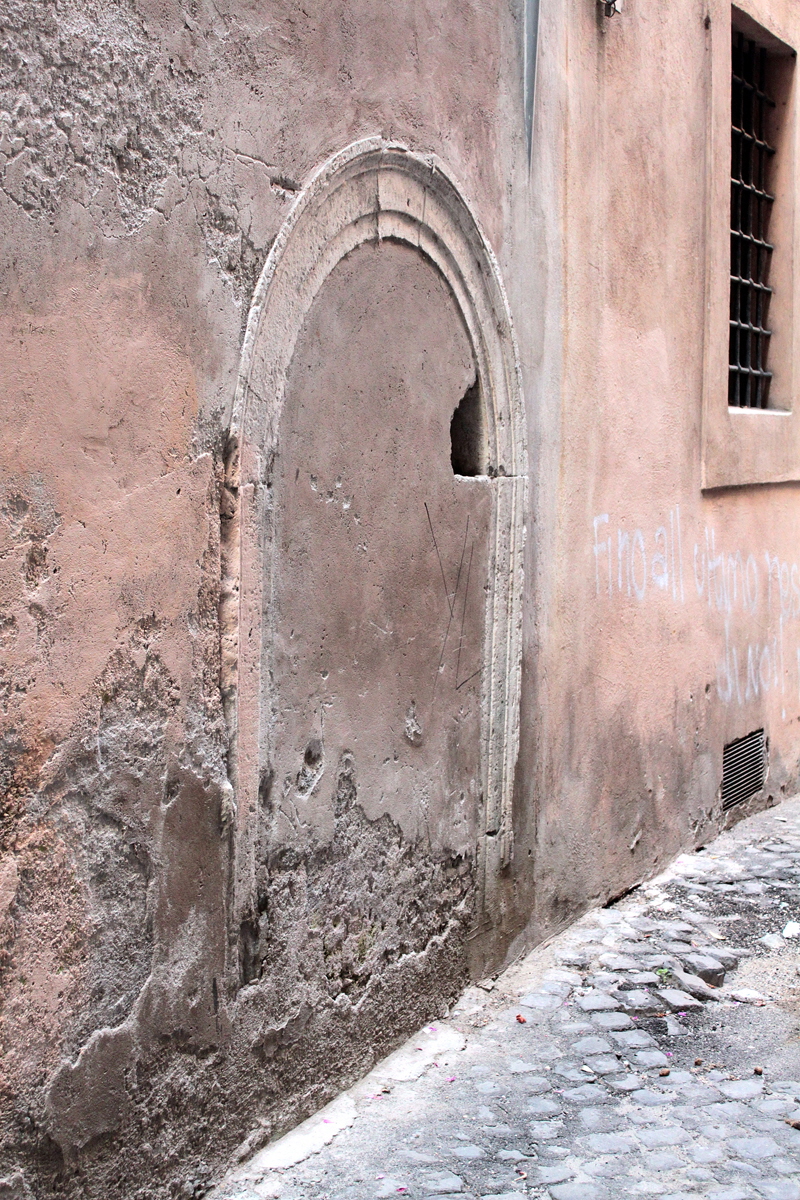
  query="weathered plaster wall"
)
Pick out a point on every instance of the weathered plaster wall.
point(667, 616)
point(150, 152)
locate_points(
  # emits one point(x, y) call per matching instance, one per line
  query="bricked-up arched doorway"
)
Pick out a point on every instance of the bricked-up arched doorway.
point(372, 548)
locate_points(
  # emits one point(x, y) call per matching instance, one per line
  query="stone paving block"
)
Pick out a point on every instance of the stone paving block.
point(388, 1187)
point(543, 1107)
point(670, 1135)
point(588, 1093)
point(443, 1182)
point(574, 978)
point(618, 962)
point(679, 1001)
point(723, 954)
point(518, 1066)
point(571, 1073)
point(597, 1002)
point(640, 1002)
point(590, 1045)
point(535, 1084)
point(612, 1021)
point(700, 1174)
point(741, 1089)
point(705, 967)
point(698, 1094)
point(682, 930)
point(706, 1154)
point(635, 1039)
point(790, 1086)
point(607, 1064)
point(573, 1028)
point(555, 987)
point(449, 1196)
point(774, 1105)
point(468, 1152)
point(625, 1083)
point(417, 1156)
point(557, 1174)
point(754, 1147)
point(608, 1143)
point(573, 957)
point(678, 1079)
point(578, 1191)
point(730, 1109)
point(786, 1166)
point(662, 1160)
point(651, 1098)
point(546, 1130)
point(693, 985)
point(747, 1169)
point(597, 1120)
point(728, 1193)
point(777, 1189)
point(651, 1058)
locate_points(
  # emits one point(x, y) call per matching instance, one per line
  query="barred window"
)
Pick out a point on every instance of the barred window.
point(751, 209)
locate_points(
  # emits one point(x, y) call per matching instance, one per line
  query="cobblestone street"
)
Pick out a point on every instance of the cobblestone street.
point(651, 1049)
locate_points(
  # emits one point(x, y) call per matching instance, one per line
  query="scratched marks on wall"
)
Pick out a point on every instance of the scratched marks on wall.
point(752, 595)
point(456, 601)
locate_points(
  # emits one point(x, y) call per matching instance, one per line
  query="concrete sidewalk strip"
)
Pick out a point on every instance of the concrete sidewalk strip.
point(649, 1050)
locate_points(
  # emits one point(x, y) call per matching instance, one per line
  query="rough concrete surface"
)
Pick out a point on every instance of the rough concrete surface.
point(602, 1066)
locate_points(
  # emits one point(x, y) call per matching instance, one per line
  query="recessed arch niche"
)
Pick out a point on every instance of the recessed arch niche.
point(370, 192)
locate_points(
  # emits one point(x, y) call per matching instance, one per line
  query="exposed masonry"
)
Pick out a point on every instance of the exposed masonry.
point(98, 798)
point(336, 914)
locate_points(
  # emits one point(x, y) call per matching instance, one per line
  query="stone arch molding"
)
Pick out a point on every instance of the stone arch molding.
point(372, 190)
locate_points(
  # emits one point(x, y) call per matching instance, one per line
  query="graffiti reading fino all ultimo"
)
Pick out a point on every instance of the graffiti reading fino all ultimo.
point(751, 596)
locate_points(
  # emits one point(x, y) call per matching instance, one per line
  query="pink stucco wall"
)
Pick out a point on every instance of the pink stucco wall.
point(150, 155)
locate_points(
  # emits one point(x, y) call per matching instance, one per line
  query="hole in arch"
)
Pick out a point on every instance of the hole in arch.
point(466, 434)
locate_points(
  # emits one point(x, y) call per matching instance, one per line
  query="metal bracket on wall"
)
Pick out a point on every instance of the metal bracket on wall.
point(611, 6)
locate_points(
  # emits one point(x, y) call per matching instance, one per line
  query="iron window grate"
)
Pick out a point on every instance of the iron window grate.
point(744, 768)
point(751, 206)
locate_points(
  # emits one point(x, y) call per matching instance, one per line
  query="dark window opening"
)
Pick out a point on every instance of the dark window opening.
point(744, 768)
point(753, 121)
point(466, 434)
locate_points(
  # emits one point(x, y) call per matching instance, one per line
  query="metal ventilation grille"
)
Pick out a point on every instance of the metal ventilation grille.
point(751, 205)
point(744, 768)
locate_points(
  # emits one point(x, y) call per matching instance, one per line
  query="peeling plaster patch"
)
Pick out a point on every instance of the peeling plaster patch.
point(335, 914)
point(89, 1098)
